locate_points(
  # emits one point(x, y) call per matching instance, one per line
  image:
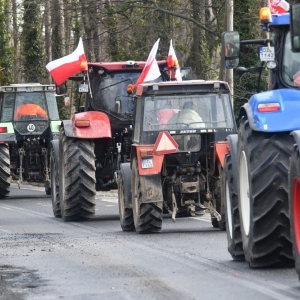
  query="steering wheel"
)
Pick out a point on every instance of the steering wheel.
point(28, 117)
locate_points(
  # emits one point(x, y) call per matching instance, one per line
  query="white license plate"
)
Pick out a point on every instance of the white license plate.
point(83, 88)
point(267, 53)
point(147, 163)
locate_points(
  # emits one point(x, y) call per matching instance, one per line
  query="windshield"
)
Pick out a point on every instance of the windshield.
point(30, 106)
point(110, 94)
point(291, 64)
point(209, 111)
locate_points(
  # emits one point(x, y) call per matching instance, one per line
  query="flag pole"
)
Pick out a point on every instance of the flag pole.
point(89, 84)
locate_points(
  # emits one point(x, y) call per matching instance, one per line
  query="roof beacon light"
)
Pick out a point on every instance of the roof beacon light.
point(268, 107)
point(265, 15)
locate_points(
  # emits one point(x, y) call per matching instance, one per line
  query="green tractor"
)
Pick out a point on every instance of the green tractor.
point(29, 121)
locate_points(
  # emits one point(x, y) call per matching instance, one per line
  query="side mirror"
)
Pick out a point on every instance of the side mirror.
point(186, 73)
point(295, 29)
point(61, 89)
point(231, 48)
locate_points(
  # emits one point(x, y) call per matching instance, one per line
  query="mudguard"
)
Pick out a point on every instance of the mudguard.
point(232, 141)
point(99, 126)
point(285, 119)
point(126, 175)
point(55, 146)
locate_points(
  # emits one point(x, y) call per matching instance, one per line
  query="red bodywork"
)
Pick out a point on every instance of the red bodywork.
point(99, 125)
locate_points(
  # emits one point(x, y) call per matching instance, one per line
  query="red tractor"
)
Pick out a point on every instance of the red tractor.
point(177, 153)
point(97, 139)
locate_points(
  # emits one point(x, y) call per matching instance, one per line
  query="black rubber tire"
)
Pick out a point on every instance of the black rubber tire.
point(294, 205)
point(263, 196)
point(219, 204)
point(54, 176)
point(76, 178)
point(147, 216)
point(232, 214)
point(126, 214)
point(4, 171)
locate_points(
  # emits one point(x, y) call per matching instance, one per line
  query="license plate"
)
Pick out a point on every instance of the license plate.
point(147, 163)
point(83, 88)
point(267, 53)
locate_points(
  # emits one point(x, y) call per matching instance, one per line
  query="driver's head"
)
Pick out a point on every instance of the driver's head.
point(188, 105)
point(27, 100)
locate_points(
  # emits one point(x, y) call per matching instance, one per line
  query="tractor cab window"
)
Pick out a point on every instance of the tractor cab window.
point(52, 106)
point(209, 111)
point(291, 64)
point(30, 106)
point(110, 94)
point(7, 105)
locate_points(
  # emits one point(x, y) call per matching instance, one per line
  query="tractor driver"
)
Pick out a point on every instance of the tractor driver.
point(28, 108)
point(187, 116)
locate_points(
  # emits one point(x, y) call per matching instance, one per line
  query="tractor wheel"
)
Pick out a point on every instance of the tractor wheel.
point(54, 165)
point(76, 178)
point(147, 216)
point(232, 215)
point(294, 202)
point(126, 214)
point(4, 171)
point(219, 205)
point(263, 160)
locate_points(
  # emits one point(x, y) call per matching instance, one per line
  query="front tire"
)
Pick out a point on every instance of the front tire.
point(126, 214)
point(294, 202)
point(263, 160)
point(232, 214)
point(54, 173)
point(4, 171)
point(76, 178)
point(147, 216)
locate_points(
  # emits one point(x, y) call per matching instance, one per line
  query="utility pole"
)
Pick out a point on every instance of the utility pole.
point(229, 27)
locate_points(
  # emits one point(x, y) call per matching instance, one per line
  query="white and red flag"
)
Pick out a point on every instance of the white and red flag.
point(278, 6)
point(151, 70)
point(173, 64)
point(61, 69)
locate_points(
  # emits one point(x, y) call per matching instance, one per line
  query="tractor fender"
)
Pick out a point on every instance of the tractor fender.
point(157, 160)
point(233, 142)
point(126, 175)
point(282, 113)
point(96, 125)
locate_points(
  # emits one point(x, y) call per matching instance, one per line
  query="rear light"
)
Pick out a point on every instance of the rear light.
point(82, 123)
point(146, 153)
point(268, 107)
point(3, 129)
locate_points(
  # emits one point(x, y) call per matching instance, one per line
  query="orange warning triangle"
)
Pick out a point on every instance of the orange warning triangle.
point(165, 144)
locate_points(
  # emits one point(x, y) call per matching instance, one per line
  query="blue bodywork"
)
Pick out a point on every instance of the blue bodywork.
point(287, 118)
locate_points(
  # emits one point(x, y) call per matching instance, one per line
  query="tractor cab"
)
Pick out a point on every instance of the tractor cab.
point(29, 108)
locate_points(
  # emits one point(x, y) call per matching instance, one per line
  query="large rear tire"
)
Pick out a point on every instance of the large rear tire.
point(54, 173)
point(263, 160)
point(126, 214)
point(232, 214)
point(4, 171)
point(76, 178)
point(147, 216)
point(294, 202)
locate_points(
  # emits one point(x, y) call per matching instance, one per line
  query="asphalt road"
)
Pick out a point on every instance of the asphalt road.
point(42, 257)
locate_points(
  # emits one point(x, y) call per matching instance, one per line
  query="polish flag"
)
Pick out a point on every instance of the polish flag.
point(61, 69)
point(151, 70)
point(173, 64)
point(278, 6)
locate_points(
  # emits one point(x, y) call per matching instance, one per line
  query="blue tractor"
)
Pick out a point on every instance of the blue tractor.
point(259, 214)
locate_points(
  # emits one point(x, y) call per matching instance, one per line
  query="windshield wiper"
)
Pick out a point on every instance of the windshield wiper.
point(114, 84)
